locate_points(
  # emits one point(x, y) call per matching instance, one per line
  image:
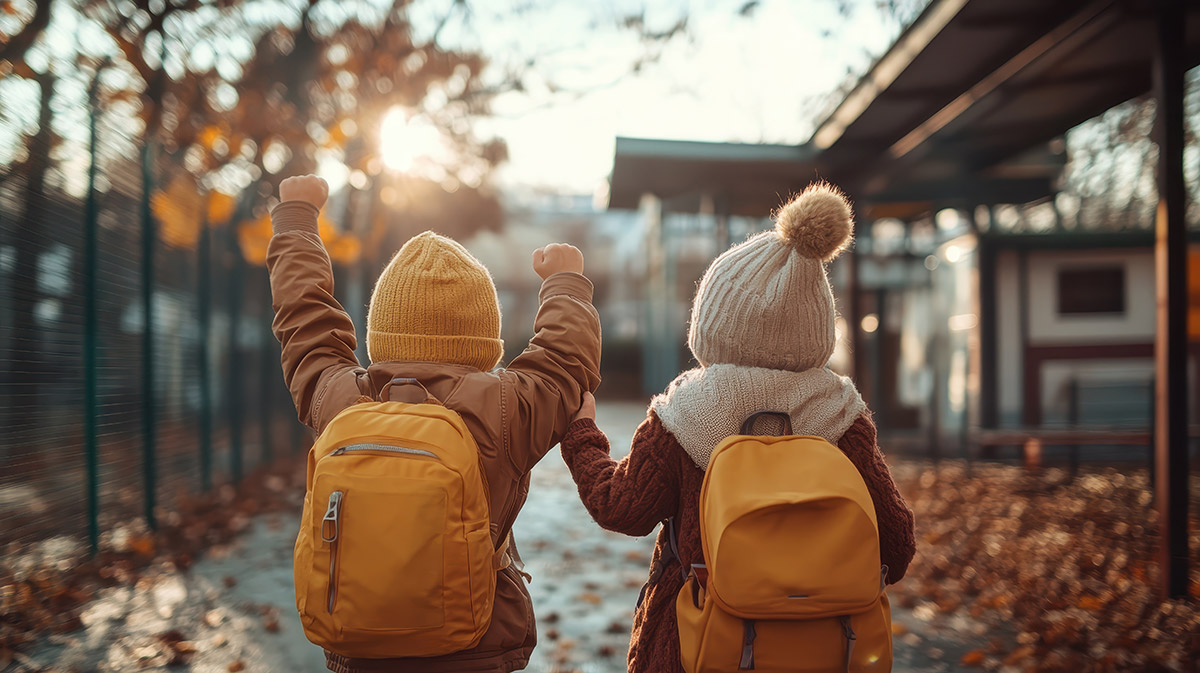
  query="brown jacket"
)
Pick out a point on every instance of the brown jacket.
point(658, 480)
point(516, 414)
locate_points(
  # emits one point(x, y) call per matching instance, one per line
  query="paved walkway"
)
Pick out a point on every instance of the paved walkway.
point(235, 611)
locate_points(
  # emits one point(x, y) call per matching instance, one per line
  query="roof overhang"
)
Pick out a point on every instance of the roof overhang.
point(998, 79)
point(742, 178)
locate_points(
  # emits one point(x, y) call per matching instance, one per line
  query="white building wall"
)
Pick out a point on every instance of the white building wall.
point(1124, 377)
point(1048, 328)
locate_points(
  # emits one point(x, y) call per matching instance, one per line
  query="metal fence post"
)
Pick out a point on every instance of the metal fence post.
point(204, 301)
point(266, 396)
point(235, 358)
point(297, 434)
point(90, 326)
point(149, 448)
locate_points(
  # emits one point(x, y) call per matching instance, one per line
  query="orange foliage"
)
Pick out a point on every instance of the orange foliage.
point(179, 209)
point(254, 236)
point(220, 207)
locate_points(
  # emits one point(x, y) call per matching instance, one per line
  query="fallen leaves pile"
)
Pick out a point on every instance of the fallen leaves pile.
point(44, 588)
point(1062, 570)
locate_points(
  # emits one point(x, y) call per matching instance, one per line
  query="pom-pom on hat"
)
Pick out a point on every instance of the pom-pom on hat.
point(767, 302)
point(816, 222)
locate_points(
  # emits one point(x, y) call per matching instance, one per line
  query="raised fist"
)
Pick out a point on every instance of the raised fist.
point(309, 188)
point(557, 258)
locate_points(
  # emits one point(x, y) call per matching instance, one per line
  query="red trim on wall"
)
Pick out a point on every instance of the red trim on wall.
point(1036, 356)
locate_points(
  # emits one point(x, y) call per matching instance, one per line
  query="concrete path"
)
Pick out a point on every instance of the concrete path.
point(234, 610)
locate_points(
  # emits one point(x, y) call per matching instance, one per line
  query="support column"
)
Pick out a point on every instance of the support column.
point(853, 303)
point(989, 343)
point(653, 292)
point(721, 212)
point(1171, 343)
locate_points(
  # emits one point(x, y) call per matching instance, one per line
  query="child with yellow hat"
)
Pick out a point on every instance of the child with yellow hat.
point(434, 319)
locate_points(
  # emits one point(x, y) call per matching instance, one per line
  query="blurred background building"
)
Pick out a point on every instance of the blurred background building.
point(1002, 288)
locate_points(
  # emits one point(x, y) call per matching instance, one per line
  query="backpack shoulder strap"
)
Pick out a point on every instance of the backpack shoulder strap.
point(410, 390)
point(747, 429)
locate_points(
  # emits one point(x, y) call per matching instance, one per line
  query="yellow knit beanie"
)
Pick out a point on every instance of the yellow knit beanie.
point(435, 303)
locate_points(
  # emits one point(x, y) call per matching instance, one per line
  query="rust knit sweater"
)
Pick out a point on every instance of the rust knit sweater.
point(658, 480)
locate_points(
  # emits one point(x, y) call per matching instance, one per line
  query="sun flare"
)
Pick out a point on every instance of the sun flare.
point(404, 141)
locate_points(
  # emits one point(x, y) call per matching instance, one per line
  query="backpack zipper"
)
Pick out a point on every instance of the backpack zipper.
point(385, 448)
point(851, 638)
point(330, 525)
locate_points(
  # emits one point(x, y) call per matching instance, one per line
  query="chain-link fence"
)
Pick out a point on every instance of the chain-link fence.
point(135, 368)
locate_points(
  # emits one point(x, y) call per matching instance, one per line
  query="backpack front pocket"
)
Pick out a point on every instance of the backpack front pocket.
point(383, 553)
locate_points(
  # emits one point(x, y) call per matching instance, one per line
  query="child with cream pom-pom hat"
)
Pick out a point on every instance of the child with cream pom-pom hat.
point(762, 329)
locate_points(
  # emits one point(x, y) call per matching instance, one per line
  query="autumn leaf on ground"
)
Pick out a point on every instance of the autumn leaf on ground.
point(589, 597)
point(213, 618)
point(142, 545)
point(973, 658)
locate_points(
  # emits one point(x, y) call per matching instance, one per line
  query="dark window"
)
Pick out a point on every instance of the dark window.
point(1096, 290)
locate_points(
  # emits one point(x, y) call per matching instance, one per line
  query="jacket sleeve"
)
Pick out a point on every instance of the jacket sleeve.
point(545, 384)
point(315, 332)
point(897, 537)
point(630, 496)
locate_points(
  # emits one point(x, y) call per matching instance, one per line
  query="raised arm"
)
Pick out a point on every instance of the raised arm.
point(314, 330)
point(897, 537)
point(562, 360)
point(631, 495)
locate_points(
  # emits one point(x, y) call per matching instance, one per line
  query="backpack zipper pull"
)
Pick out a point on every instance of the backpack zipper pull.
point(851, 638)
point(330, 521)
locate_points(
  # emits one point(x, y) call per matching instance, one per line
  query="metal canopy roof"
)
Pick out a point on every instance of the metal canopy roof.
point(1027, 72)
point(731, 171)
point(943, 117)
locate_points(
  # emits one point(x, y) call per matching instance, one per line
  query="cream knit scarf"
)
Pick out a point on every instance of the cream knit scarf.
point(705, 405)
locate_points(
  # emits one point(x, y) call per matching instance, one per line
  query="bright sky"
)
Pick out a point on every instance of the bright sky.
point(751, 79)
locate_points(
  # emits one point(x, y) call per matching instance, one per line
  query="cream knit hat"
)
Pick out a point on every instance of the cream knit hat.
point(767, 302)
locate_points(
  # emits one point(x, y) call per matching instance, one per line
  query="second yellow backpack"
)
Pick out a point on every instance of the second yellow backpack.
point(395, 556)
point(792, 579)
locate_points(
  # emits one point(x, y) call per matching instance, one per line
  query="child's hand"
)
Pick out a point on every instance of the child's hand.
point(309, 188)
point(587, 409)
point(557, 258)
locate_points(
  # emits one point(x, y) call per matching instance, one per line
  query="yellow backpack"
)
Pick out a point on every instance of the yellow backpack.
point(395, 556)
point(792, 579)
